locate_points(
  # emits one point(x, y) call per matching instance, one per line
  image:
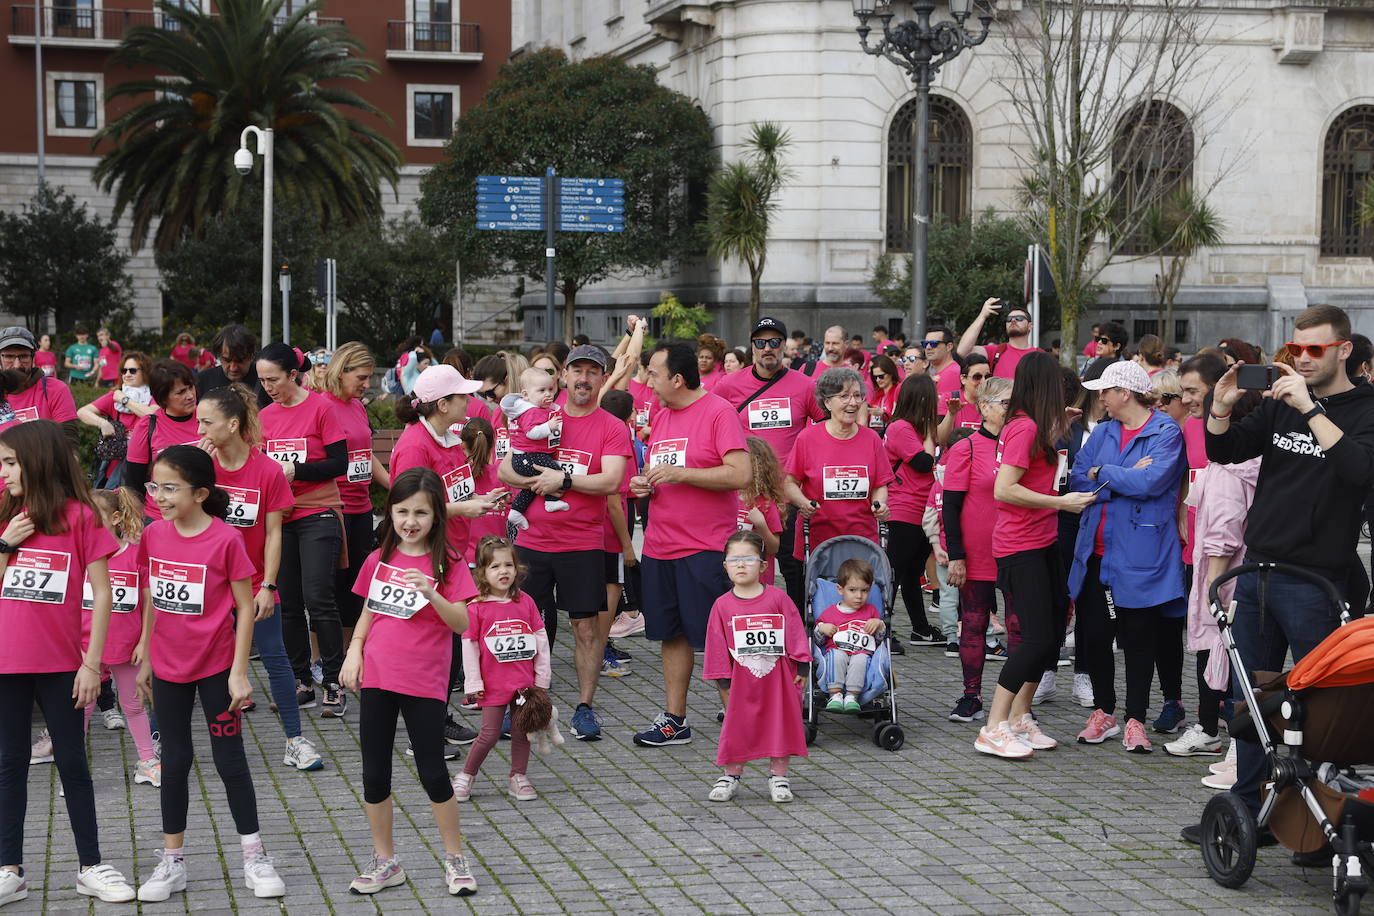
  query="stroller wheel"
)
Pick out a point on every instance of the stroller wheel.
point(811, 730)
point(889, 735)
point(1230, 840)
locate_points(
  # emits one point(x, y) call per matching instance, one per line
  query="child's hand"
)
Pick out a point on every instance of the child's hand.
point(144, 681)
point(799, 680)
point(351, 674)
point(417, 580)
point(476, 697)
point(873, 627)
point(556, 421)
point(826, 629)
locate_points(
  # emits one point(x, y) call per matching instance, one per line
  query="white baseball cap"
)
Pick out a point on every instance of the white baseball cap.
point(1122, 374)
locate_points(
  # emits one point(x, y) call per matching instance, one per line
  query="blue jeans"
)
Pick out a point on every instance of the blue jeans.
point(280, 678)
point(1296, 616)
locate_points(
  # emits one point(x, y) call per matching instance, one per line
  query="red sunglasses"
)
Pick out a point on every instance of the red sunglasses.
point(1316, 351)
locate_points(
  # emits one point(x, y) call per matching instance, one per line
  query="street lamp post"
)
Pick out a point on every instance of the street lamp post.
point(243, 162)
point(920, 49)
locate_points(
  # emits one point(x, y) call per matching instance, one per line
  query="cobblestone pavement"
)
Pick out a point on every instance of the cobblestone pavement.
point(933, 828)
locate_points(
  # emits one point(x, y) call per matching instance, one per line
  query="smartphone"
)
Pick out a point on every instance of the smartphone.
point(1256, 378)
point(999, 306)
point(1100, 487)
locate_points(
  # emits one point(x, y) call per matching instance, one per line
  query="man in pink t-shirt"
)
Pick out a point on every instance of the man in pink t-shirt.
point(1003, 357)
point(44, 397)
point(697, 462)
point(939, 349)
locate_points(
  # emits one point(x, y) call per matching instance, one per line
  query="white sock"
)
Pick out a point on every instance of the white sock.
point(178, 853)
point(251, 843)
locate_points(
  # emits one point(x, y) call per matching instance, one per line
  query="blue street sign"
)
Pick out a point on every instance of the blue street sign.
point(515, 206)
point(594, 182)
point(510, 180)
point(502, 224)
point(575, 219)
point(593, 212)
point(520, 216)
point(591, 227)
point(487, 193)
point(592, 194)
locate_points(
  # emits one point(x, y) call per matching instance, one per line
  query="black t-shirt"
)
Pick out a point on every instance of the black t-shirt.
point(210, 379)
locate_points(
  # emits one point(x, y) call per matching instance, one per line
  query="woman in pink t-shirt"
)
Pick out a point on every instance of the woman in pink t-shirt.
point(710, 353)
point(910, 449)
point(44, 358)
point(124, 405)
point(108, 358)
point(416, 592)
point(197, 634)
point(51, 533)
point(882, 401)
point(173, 390)
point(182, 351)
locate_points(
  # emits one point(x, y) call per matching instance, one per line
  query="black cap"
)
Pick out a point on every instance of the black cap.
point(769, 324)
point(587, 352)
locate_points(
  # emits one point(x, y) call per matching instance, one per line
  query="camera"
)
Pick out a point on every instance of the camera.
point(1256, 378)
point(243, 161)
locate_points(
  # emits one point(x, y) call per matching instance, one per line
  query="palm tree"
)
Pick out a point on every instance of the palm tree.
point(742, 200)
point(171, 153)
point(1176, 229)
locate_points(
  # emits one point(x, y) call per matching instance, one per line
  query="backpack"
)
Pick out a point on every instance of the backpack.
point(391, 382)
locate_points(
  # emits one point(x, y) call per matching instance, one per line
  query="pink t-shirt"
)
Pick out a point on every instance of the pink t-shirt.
point(257, 488)
point(417, 447)
point(409, 647)
point(712, 378)
point(644, 402)
point(182, 354)
point(772, 520)
point(971, 467)
point(610, 542)
point(189, 580)
point(300, 434)
point(504, 632)
point(1195, 442)
point(844, 619)
point(968, 417)
point(780, 414)
point(45, 360)
point(46, 399)
point(1019, 528)
point(911, 488)
point(520, 438)
point(881, 404)
point(165, 432)
point(493, 523)
point(40, 599)
point(126, 613)
point(584, 443)
point(685, 519)
point(357, 430)
point(948, 383)
point(840, 475)
point(1004, 358)
point(109, 362)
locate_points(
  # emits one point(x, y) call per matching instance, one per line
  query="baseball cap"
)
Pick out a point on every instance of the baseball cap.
point(769, 324)
point(17, 334)
point(441, 381)
point(587, 351)
point(1121, 374)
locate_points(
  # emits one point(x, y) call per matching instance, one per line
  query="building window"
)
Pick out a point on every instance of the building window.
point(951, 159)
point(430, 114)
point(75, 103)
point(1347, 167)
point(1152, 157)
point(72, 19)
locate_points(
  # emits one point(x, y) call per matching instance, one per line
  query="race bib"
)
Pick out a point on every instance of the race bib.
point(555, 436)
point(458, 484)
point(770, 413)
point(969, 424)
point(360, 465)
point(642, 417)
point(390, 593)
point(668, 451)
point(502, 443)
point(178, 588)
point(845, 483)
point(573, 461)
point(1061, 477)
point(123, 591)
point(243, 506)
point(757, 634)
point(875, 418)
point(742, 520)
point(26, 414)
point(510, 641)
point(286, 451)
point(37, 575)
point(852, 638)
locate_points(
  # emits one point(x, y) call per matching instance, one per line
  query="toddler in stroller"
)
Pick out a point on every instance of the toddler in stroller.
point(847, 633)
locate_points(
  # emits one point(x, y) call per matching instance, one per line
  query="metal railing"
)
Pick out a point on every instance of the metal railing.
point(103, 25)
point(437, 37)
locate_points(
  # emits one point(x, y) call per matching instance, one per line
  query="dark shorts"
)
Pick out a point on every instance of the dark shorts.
point(577, 576)
point(678, 595)
point(615, 567)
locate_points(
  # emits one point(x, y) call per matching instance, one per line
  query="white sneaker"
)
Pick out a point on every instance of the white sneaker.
point(149, 772)
point(1220, 780)
point(260, 876)
point(168, 878)
point(779, 789)
point(41, 752)
point(725, 789)
point(1083, 690)
point(1028, 732)
point(113, 718)
point(105, 882)
point(301, 754)
point(462, 786)
point(1194, 742)
point(13, 886)
point(1046, 691)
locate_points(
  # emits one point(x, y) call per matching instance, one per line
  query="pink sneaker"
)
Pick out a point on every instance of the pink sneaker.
point(1100, 727)
point(1028, 731)
point(1136, 741)
point(520, 788)
point(462, 786)
point(627, 625)
point(1000, 742)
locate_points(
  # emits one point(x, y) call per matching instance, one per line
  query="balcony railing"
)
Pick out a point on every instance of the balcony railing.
point(433, 40)
point(86, 27)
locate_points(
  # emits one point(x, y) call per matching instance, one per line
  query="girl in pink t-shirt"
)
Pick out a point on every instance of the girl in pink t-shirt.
point(505, 649)
point(416, 593)
point(760, 499)
point(479, 438)
point(197, 633)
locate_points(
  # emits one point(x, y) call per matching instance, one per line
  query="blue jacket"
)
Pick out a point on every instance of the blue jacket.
point(1141, 562)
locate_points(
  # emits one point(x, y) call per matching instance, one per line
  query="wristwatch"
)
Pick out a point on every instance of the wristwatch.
point(1316, 409)
point(7, 547)
point(567, 480)
point(269, 586)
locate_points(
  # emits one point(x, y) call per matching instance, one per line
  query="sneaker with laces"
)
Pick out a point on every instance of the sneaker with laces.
point(1083, 690)
point(113, 720)
point(260, 874)
point(1226, 763)
point(1047, 690)
point(927, 637)
point(305, 696)
point(627, 624)
point(779, 789)
point(620, 654)
point(851, 704)
point(520, 788)
point(586, 725)
point(381, 874)
point(104, 881)
point(13, 886)
point(334, 703)
point(1194, 742)
point(1171, 718)
point(301, 754)
point(951, 649)
point(456, 732)
point(458, 876)
point(613, 667)
point(968, 709)
point(1100, 727)
point(667, 729)
point(41, 751)
point(1027, 730)
point(149, 771)
point(996, 653)
point(1135, 740)
point(167, 878)
point(1000, 742)
point(834, 704)
point(724, 789)
point(462, 785)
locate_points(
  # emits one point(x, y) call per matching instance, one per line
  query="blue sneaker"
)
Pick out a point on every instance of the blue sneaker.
point(1171, 718)
point(667, 729)
point(585, 724)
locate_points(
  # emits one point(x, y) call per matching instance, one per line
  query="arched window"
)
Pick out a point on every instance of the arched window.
point(1152, 157)
point(1347, 165)
point(951, 159)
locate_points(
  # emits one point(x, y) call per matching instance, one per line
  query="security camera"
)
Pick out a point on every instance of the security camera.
point(243, 161)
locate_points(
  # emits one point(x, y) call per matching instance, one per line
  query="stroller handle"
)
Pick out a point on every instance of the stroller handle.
point(1213, 592)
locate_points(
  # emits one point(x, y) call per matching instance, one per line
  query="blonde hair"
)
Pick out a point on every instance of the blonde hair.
point(346, 358)
point(1166, 382)
point(121, 501)
point(766, 478)
point(993, 388)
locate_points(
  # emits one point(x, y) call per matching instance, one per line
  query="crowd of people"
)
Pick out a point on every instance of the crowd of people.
point(1073, 515)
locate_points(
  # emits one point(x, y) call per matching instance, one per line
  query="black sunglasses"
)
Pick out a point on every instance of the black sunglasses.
point(1166, 398)
point(1105, 340)
point(770, 343)
point(129, 370)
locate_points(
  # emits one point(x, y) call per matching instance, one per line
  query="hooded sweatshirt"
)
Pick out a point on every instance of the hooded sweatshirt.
point(1308, 502)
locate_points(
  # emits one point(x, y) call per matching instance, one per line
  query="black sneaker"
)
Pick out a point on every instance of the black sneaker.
point(450, 753)
point(457, 733)
point(951, 650)
point(620, 654)
point(927, 638)
point(895, 647)
point(305, 696)
point(335, 702)
point(249, 706)
point(667, 729)
point(968, 709)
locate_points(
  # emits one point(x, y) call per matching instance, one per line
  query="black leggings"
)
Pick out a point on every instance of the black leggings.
point(1169, 656)
point(424, 717)
point(1208, 700)
point(309, 562)
point(791, 568)
point(174, 704)
point(1035, 581)
point(360, 539)
point(1135, 631)
point(908, 548)
point(527, 464)
point(66, 725)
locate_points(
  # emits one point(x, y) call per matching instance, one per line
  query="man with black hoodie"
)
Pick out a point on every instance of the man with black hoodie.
point(1315, 439)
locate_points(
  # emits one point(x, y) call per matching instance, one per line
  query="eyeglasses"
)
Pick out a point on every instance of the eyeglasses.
point(878, 375)
point(846, 397)
point(129, 370)
point(487, 393)
point(15, 357)
point(1105, 340)
point(742, 561)
point(908, 360)
point(978, 376)
point(1316, 351)
point(768, 343)
point(932, 343)
point(1016, 319)
point(1003, 401)
point(167, 489)
point(1166, 398)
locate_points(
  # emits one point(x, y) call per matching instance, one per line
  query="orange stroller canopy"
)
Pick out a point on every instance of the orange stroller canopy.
point(1343, 659)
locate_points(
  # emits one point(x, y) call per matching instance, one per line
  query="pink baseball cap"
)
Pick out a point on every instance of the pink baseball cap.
point(441, 381)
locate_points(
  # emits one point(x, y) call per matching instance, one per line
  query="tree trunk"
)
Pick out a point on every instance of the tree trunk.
point(754, 277)
point(569, 313)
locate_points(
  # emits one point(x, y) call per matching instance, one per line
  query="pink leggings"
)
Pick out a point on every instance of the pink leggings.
point(126, 678)
point(489, 735)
